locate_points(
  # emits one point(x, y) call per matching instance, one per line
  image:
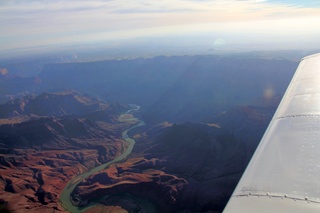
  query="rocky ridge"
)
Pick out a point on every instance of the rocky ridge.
point(46, 140)
point(189, 167)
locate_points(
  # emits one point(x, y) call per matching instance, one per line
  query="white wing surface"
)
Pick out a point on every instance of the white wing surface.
point(284, 173)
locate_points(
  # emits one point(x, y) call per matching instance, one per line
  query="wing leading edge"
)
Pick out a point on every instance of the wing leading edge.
point(284, 173)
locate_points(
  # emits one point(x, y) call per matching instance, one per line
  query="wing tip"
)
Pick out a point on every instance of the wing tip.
point(311, 56)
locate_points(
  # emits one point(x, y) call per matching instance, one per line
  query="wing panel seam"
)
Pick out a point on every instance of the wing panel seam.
point(298, 116)
point(270, 195)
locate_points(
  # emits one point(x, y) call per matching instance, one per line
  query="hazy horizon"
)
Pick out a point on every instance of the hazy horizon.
point(128, 27)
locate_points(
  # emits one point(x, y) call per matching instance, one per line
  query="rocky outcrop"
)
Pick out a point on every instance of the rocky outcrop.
point(40, 153)
point(52, 133)
point(56, 104)
point(137, 177)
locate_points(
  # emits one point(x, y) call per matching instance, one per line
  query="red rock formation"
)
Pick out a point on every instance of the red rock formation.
point(40, 154)
point(137, 177)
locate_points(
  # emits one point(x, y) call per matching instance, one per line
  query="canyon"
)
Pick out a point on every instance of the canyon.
point(41, 152)
point(204, 116)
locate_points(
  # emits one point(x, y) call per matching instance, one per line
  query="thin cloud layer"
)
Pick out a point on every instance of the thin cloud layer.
point(28, 24)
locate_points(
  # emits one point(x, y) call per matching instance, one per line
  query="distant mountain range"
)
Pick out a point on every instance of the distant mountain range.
point(176, 88)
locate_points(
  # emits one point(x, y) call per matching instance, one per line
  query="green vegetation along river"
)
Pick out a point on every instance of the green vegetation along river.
point(65, 199)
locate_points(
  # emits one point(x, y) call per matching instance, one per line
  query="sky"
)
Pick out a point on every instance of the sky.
point(42, 25)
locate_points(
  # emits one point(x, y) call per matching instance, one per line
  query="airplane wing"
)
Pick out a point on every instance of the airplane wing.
point(284, 173)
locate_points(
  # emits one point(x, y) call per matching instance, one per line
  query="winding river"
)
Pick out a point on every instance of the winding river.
point(65, 199)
